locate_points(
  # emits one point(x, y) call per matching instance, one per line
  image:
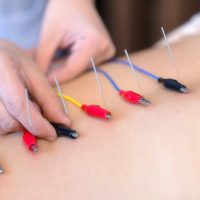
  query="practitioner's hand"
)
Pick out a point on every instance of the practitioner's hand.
point(18, 72)
point(72, 24)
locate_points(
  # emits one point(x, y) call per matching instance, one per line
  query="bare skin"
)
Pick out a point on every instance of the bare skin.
point(142, 153)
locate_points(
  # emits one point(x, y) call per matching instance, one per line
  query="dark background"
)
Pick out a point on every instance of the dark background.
point(135, 24)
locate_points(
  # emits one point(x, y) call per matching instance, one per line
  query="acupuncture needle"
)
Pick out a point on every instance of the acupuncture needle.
point(98, 82)
point(170, 52)
point(168, 83)
point(29, 139)
point(61, 95)
point(28, 109)
point(60, 129)
point(133, 70)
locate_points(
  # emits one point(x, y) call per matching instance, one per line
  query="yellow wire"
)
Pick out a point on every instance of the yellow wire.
point(68, 98)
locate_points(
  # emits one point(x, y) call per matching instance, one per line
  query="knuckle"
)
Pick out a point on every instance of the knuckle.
point(8, 125)
point(103, 43)
point(93, 41)
point(95, 38)
point(15, 105)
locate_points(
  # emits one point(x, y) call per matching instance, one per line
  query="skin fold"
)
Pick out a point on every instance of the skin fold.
point(142, 153)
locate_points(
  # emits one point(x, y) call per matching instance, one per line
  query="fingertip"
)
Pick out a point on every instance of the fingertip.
point(54, 112)
point(64, 74)
point(62, 118)
point(43, 129)
point(50, 77)
point(51, 135)
point(65, 120)
point(59, 75)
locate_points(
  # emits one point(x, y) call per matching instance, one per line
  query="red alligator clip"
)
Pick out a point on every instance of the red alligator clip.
point(133, 97)
point(30, 141)
point(96, 111)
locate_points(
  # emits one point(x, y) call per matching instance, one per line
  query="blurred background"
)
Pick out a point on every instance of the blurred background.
point(135, 24)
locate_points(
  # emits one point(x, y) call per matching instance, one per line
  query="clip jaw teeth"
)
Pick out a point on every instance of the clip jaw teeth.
point(184, 90)
point(30, 141)
point(144, 101)
point(108, 116)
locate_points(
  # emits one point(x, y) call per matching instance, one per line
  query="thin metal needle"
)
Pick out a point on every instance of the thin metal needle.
point(61, 96)
point(170, 52)
point(133, 70)
point(98, 82)
point(28, 107)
